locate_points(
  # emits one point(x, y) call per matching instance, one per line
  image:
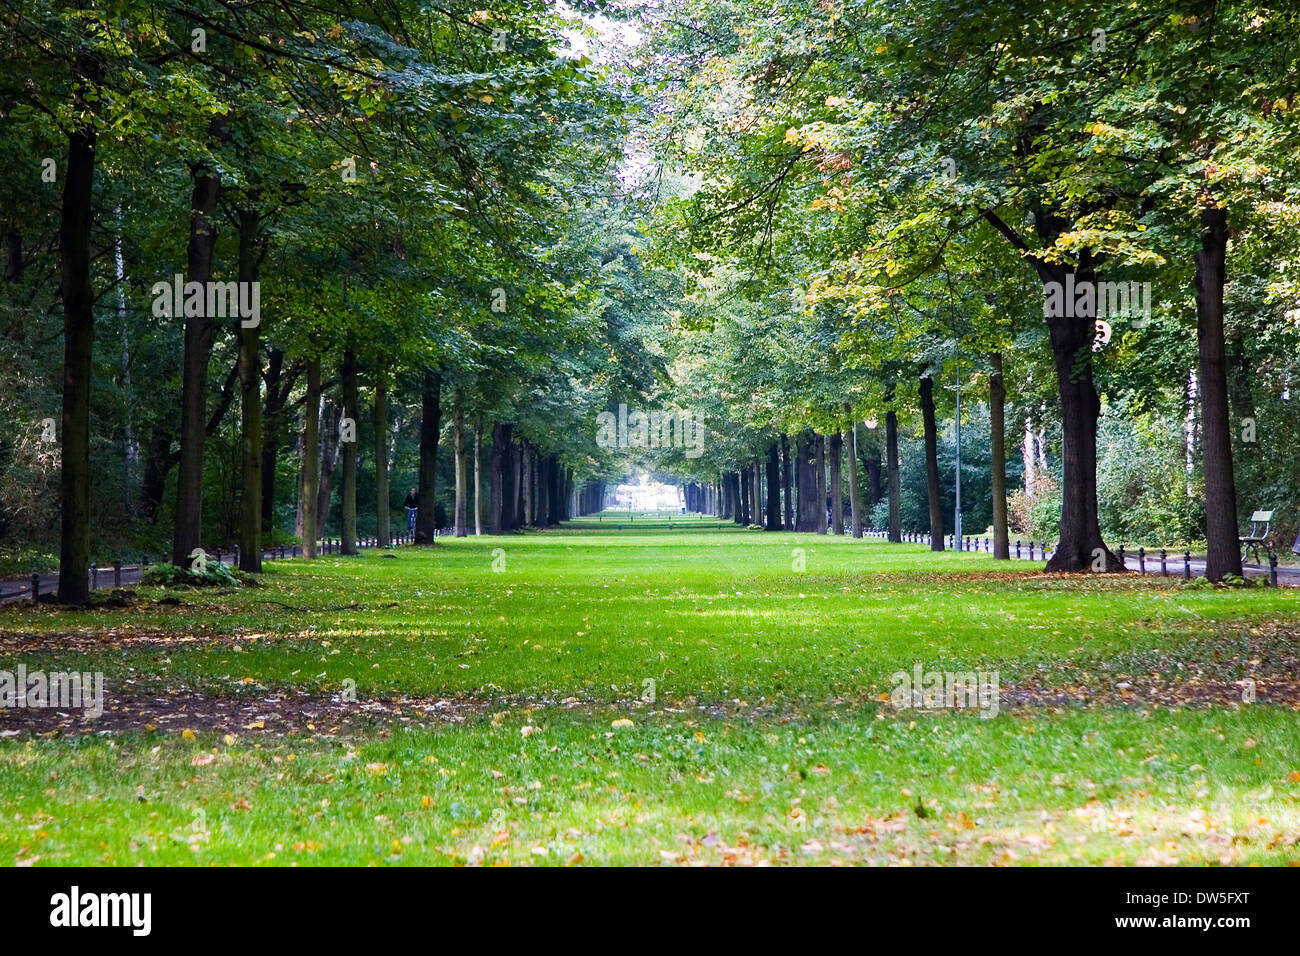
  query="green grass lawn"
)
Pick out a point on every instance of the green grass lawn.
point(750, 698)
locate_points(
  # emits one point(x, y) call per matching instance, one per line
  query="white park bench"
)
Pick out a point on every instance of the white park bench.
point(1252, 541)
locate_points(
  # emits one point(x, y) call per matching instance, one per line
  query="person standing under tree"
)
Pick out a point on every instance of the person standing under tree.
point(412, 506)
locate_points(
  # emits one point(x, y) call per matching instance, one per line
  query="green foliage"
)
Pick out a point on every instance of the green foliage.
point(214, 574)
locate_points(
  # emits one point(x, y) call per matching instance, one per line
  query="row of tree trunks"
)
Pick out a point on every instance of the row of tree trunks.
point(591, 498)
point(699, 498)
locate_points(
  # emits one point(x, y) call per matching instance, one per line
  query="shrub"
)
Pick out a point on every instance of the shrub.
point(214, 574)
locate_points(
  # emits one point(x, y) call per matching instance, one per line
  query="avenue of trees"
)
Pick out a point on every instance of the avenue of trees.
point(876, 203)
point(449, 236)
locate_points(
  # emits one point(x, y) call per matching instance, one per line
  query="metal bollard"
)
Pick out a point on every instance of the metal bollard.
point(1164, 571)
point(1017, 549)
point(1187, 565)
point(94, 575)
point(1272, 569)
point(1142, 560)
point(1031, 549)
point(36, 585)
point(117, 574)
point(1123, 563)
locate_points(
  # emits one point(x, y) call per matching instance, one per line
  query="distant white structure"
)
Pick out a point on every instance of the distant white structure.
point(648, 496)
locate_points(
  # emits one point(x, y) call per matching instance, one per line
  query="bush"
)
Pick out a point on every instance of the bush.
point(214, 574)
point(1037, 516)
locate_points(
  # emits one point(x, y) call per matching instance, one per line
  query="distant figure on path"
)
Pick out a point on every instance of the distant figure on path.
point(412, 506)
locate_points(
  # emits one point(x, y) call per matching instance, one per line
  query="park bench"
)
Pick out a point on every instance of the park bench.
point(1252, 541)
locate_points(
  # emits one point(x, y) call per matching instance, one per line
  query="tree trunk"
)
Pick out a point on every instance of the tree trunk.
point(329, 457)
point(1222, 543)
point(746, 507)
point(539, 490)
point(458, 444)
point(310, 458)
point(297, 514)
point(895, 482)
point(500, 510)
point(430, 424)
point(806, 481)
point(527, 484)
point(998, 444)
point(272, 433)
point(1080, 547)
point(383, 507)
point(786, 484)
point(932, 463)
point(874, 487)
point(187, 527)
point(250, 397)
point(820, 446)
point(836, 489)
point(348, 536)
point(78, 215)
point(516, 486)
point(12, 242)
point(773, 488)
point(158, 462)
point(555, 484)
point(478, 476)
point(855, 495)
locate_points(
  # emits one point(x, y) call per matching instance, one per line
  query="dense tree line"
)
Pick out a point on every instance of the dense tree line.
point(268, 266)
point(880, 206)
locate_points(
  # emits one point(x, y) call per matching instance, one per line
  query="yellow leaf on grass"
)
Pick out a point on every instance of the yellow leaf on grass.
point(621, 722)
